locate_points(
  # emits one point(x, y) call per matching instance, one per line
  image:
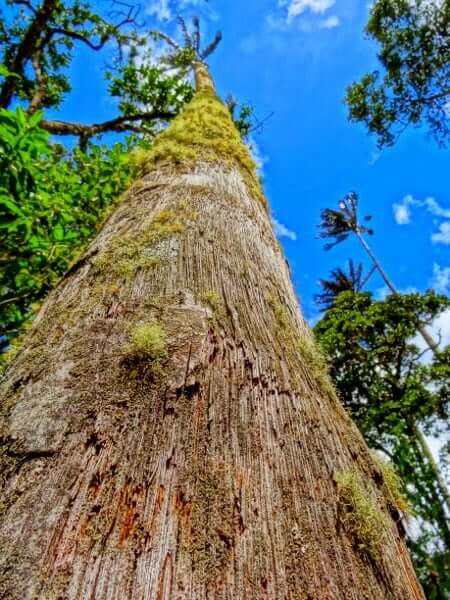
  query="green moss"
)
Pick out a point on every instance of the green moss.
point(212, 299)
point(393, 484)
point(148, 340)
point(130, 252)
point(303, 345)
point(203, 131)
point(361, 516)
point(137, 159)
point(316, 360)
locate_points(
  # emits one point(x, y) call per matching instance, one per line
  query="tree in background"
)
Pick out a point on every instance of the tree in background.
point(168, 428)
point(38, 44)
point(390, 393)
point(340, 281)
point(339, 224)
point(412, 87)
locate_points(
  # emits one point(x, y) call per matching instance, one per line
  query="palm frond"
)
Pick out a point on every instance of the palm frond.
point(190, 52)
point(339, 224)
point(341, 281)
point(196, 36)
point(212, 46)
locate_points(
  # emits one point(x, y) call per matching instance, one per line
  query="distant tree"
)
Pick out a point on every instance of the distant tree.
point(412, 87)
point(340, 281)
point(337, 225)
point(392, 395)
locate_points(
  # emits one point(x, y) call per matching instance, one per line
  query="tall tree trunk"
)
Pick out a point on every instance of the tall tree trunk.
point(432, 344)
point(168, 430)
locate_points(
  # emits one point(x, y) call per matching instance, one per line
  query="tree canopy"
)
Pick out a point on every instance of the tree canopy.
point(412, 86)
point(392, 394)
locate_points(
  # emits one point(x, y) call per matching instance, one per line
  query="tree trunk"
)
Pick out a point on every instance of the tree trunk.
point(432, 344)
point(168, 430)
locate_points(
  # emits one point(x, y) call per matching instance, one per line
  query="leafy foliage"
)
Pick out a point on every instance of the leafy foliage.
point(39, 42)
point(413, 85)
point(51, 202)
point(390, 391)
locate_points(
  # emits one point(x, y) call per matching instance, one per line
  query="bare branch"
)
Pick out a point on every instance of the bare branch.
point(259, 125)
point(27, 4)
point(163, 36)
point(38, 98)
point(212, 46)
point(80, 37)
point(196, 34)
point(186, 36)
point(119, 124)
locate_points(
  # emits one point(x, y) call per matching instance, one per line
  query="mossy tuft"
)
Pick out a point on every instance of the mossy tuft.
point(148, 340)
point(212, 299)
point(361, 516)
point(303, 345)
point(129, 253)
point(393, 484)
point(203, 131)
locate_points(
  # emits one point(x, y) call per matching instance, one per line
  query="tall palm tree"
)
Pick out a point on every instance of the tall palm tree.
point(340, 281)
point(339, 224)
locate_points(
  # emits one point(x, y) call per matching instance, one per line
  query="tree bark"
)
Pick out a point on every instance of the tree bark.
point(207, 471)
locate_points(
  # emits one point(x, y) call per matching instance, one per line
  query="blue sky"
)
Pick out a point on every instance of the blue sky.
point(295, 58)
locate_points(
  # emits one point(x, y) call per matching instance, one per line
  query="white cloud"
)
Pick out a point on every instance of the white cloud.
point(402, 213)
point(331, 22)
point(160, 9)
point(257, 155)
point(443, 235)
point(439, 330)
point(282, 231)
point(163, 9)
point(436, 209)
point(441, 279)
point(383, 292)
point(297, 7)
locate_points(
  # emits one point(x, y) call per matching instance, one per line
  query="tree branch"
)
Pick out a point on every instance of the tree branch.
point(119, 124)
point(27, 4)
point(26, 49)
point(80, 37)
point(38, 97)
